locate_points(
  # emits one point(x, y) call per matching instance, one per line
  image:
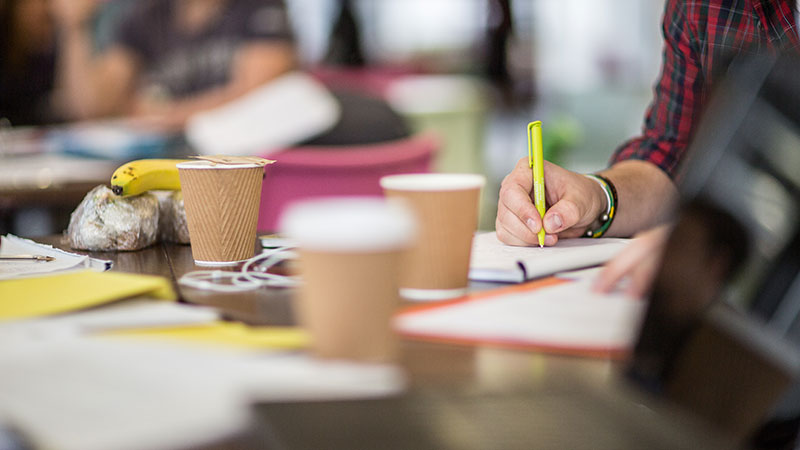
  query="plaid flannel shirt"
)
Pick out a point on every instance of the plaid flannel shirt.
point(700, 38)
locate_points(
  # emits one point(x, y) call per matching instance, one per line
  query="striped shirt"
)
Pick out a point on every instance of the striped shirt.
point(700, 39)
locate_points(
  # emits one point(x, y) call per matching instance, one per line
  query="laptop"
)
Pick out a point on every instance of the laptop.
point(721, 336)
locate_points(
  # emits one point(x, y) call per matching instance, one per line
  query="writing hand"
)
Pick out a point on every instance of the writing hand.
point(575, 200)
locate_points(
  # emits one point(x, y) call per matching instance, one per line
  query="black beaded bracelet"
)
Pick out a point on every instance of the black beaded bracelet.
point(607, 217)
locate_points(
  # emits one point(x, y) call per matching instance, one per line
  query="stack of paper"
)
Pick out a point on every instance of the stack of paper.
point(97, 394)
point(11, 245)
point(73, 291)
point(85, 302)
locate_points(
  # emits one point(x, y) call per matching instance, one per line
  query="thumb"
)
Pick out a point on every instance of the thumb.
point(561, 216)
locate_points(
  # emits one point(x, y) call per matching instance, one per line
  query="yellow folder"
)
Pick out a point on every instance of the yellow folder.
point(56, 294)
point(225, 334)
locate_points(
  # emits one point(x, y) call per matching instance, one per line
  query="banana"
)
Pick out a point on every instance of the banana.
point(142, 175)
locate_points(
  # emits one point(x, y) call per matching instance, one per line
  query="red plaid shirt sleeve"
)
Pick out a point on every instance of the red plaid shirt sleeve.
point(671, 115)
point(699, 37)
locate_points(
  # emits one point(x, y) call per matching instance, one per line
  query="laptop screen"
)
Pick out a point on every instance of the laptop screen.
point(722, 330)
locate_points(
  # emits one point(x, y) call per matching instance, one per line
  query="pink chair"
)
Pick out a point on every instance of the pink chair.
point(305, 172)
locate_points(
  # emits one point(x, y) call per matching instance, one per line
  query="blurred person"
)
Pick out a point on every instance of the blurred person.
point(27, 62)
point(171, 58)
point(344, 45)
point(700, 37)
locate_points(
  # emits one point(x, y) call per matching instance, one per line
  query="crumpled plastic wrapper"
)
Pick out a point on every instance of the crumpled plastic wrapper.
point(172, 225)
point(104, 222)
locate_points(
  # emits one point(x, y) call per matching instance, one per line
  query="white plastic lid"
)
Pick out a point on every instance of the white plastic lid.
point(433, 181)
point(349, 224)
point(212, 165)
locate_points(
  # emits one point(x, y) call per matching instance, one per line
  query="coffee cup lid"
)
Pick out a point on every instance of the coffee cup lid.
point(433, 181)
point(217, 166)
point(349, 224)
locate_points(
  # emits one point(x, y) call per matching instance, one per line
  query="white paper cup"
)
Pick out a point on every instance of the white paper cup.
point(349, 257)
point(446, 207)
point(221, 202)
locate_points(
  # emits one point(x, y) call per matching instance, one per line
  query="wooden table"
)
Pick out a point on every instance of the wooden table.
point(460, 397)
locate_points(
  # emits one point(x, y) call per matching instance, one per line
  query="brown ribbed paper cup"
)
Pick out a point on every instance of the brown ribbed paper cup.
point(221, 202)
point(446, 207)
point(349, 257)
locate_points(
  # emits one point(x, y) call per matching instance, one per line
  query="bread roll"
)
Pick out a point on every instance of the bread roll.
point(106, 222)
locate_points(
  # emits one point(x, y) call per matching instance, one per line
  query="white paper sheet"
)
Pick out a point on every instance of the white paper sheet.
point(97, 394)
point(492, 260)
point(64, 261)
point(567, 316)
point(281, 113)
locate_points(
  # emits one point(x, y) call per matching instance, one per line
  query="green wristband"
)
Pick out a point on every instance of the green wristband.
point(607, 217)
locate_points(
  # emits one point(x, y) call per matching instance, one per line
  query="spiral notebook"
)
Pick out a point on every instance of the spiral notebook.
point(492, 260)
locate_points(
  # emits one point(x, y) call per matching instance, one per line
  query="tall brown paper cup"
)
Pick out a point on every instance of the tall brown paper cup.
point(221, 202)
point(446, 207)
point(349, 257)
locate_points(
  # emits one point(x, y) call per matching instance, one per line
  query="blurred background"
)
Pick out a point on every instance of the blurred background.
point(475, 72)
point(586, 69)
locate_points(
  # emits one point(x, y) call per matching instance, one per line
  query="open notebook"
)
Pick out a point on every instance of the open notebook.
point(551, 315)
point(492, 260)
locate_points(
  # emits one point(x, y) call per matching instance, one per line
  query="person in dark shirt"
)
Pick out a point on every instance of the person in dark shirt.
point(171, 59)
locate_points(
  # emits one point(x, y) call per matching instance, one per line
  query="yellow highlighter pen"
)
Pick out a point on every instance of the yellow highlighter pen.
point(536, 163)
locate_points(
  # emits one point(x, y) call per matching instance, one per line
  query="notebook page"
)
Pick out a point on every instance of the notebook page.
point(492, 260)
point(565, 316)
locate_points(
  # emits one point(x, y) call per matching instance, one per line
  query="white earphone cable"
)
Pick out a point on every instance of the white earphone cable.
point(253, 275)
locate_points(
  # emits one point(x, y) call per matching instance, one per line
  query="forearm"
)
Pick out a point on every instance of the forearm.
point(93, 85)
point(75, 85)
point(642, 168)
point(175, 113)
point(646, 196)
point(255, 66)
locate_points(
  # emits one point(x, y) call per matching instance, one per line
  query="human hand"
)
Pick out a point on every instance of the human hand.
point(155, 116)
point(639, 262)
point(73, 14)
point(576, 201)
